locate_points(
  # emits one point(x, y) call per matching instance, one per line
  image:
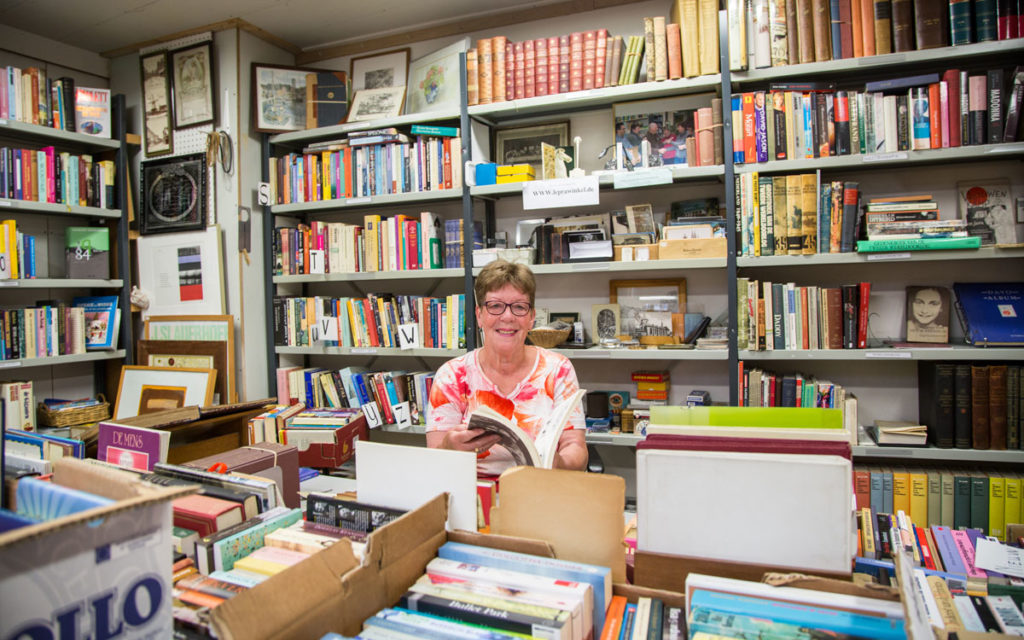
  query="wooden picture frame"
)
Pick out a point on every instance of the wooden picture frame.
point(142, 390)
point(646, 306)
point(278, 97)
point(156, 105)
point(201, 328)
point(522, 145)
point(375, 104)
point(605, 322)
point(174, 194)
point(385, 70)
point(191, 354)
point(192, 85)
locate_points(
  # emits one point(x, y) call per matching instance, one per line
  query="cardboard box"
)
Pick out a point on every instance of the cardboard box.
point(636, 251)
point(278, 462)
point(95, 571)
point(328, 454)
point(688, 248)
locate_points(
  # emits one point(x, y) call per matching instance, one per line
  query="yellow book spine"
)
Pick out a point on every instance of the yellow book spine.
point(901, 491)
point(919, 499)
point(1012, 501)
point(997, 507)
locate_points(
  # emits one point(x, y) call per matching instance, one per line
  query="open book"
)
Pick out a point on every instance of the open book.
point(524, 449)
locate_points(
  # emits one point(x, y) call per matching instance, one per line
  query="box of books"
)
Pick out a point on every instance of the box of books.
point(278, 462)
point(325, 438)
point(95, 560)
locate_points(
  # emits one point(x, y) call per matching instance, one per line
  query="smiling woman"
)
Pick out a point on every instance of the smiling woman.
point(522, 382)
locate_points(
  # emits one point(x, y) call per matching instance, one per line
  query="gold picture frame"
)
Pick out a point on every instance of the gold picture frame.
point(142, 390)
point(190, 354)
point(204, 328)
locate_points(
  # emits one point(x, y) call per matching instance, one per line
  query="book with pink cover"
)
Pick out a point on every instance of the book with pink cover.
point(138, 448)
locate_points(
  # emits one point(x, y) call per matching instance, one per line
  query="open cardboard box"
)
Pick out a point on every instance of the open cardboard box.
point(90, 573)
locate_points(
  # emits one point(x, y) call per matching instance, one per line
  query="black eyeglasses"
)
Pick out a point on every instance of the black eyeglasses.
point(496, 307)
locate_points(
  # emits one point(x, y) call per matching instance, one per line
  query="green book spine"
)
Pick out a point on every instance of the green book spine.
point(934, 498)
point(962, 502)
point(948, 499)
point(430, 130)
point(918, 244)
point(979, 502)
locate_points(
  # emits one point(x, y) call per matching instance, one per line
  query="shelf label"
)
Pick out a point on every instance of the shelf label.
point(642, 178)
point(591, 266)
point(8, 364)
point(563, 192)
point(403, 417)
point(316, 261)
point(889, 354)
point(263, 194)
point(408, 336)
point(361, 200)
point(590, 354)
point(884, 157)
point(324, 329)
point(364, 350)
point(8, 283)
point(372, 413)
point(902, 255)
point(6, 203)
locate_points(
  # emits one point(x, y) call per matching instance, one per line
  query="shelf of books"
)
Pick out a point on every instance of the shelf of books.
point(649, 265)
point(952, 352)
point(369, 351)
point(362, 276)
point(644, 354)
point(11, 128)
point(56, 209)
point(937, 454)
point(865, 259)
point(92, 356)
point(61, 283)
point(887, 160)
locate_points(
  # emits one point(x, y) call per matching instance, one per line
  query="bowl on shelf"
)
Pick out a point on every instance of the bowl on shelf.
point(548, 338)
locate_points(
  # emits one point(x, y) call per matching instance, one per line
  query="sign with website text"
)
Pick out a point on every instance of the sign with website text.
point(565, 192)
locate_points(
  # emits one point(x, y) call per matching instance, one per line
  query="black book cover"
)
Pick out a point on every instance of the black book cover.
point(842, 119)
point(1013, 106)
point(788, 391)
point(995, 106)
point(778, 327)
point(348, 514)
point(820, 125)
point(902, 122)
point(935, 397)
point(67, 86)
point(962, 406)
point(850, 304)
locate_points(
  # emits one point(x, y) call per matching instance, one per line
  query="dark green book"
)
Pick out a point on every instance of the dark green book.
point(962, 500)
point(979, 501)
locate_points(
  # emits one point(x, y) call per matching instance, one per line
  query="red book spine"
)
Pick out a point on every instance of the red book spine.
point(564, 63)
point(952, 123)
point(520, 70)
point(589, 58)
point(530, 57)
point(862, 318)
point(576, 61)
point(554, 56)
point(447, 163)
point(944, 113)
point(412, 243)
point(934, 116)
point(805, 339)
point(540, 79)
point(599, 57)
point(749, 139)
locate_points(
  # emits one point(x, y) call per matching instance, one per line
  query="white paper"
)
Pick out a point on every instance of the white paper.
point(642, 178)
point(995, 556)
point(565, 192)
point(372, 413)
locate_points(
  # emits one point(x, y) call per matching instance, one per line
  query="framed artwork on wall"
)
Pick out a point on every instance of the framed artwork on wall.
point(173, 194)
point(192, 75)
point(156, 102)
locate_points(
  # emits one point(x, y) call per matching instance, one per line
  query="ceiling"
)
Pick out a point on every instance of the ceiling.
point(112, 25)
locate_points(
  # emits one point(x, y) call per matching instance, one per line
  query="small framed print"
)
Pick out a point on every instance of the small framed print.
point(173, 194)
point(192, 354)
point(646, 306)
point(143, 390)
point(434, 80)
point(568, 317)
point(604, 322)
point(156, 100)
point(522, 145)
point(380, 70)
point(374, 104)
point(192, 74)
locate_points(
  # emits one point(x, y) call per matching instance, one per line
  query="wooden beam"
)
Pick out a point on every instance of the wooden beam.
point(223, 25)
point(454, 28)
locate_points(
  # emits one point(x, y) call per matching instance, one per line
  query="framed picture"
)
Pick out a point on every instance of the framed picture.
point(987, 206)
point(192, 75)
point(604, 322)
point(173, 194)
point(640, 219)
point(646, 306)
point(278, 98)
point(380, 70)
point(156, 100)
point(665, 123)
point(434, 80)
point(373, 104)
point(928, 314)
point(522, 145)
point(182, 272)
point(192, 354)
point(143, 390)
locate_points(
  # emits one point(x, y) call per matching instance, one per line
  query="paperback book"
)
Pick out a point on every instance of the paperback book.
point(992, 313)
point(102, 321)
point(138, 448)
point(524, 449)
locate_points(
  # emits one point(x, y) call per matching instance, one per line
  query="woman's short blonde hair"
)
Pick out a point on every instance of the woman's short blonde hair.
point(499, 273)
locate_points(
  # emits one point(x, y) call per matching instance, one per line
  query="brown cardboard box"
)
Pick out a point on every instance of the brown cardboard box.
point(689, 248)
point(652, 251)
point(268, 459)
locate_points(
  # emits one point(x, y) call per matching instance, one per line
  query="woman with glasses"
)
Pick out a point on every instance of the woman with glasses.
point(523, 382)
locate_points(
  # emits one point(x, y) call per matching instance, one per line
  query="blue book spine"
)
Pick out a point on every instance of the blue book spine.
point(43, 500)
point(808, 126)
point(837, 51)
point(947, 550)
point(801, 614)
point(628, 622)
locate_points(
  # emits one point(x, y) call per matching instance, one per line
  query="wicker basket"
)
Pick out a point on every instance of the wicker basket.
point(74, 415)
point(548, 338)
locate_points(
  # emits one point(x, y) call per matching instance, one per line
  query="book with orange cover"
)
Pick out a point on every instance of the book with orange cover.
point(498, 85)
point(673, 44)
point(485, 70)
point(613, 619)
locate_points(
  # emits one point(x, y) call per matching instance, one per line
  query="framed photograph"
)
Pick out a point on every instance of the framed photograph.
point(192, 354)
point(156, 100)
point(182, 272)
point(665, 123)
point(928, 314)
point(381, 70)
point(192, 75)
point(278, 98)
point(173, 194)
point(373, 104)
point(604, 322)
point(522, 145)
point(434, 80)
point(646, 306)
point(640, 218)
point(143, 390)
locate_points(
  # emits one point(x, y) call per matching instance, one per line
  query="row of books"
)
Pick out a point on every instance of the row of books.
point(374, 321)
point(28, 95)
point(762, 388)
point(971, 405)
point(814, 120)
point(17, 252)
point(41, 332)
point(801, 31)
point(955, 498)
point(776, 315)
point(364, 166)
point(59, 177)
point(353, 387)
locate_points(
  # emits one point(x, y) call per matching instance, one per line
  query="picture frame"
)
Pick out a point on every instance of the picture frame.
point(143, 389)
point(385, 70)
point(374, 104)
point(435, 83)
point(674, 120)
point(646, 306)
point(928, 314)
point(196, 328)
point(192, 85)
point(278, 100)
point(605, 322)
point(174, 194)
point(522, 145)
point(182, 272)
point(191, 354)
point(156, 101)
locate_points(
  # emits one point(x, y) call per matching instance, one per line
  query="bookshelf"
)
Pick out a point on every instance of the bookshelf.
point(69, 375)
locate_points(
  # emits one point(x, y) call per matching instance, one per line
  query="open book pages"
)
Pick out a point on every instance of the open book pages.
point(524, 449)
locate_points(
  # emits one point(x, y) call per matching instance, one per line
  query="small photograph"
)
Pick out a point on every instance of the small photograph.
point(928, 314)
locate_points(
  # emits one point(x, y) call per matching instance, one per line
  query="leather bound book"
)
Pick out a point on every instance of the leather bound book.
point(707, 46)
point(518, 63)
point(936, 402)
point(618, 55)
point(883, 26)
point(576, 54)
point(589, 58)
point(856, 28)
point(997, 406)
point(962, 438)
point(980, 434)
point(499, 51)
point(472, 78)
point(960, 22)
point(485, 50)
point(600, 58)
point(540, 78)
point(660, 48)
point(931, 24)
point(867, 19)
point(821, 27)
point(793, 35)
point(564, 62)
point(804, 14)
point(1013, 417)
point(845, 29)
point(651, 61)
point(530, 69)
point(554, 57)
point(850, 315)
point(716, 121)
point(902, 25)
point(510, 71)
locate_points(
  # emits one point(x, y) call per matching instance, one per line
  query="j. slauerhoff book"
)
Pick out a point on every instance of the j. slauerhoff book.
point(524, 449)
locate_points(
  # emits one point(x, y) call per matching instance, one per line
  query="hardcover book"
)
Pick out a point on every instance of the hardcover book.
point(136, 448)
point(992, 314)
point(102, 320)
point(524, 449)
point(42, 500)
point(92, 111)
point(204, 514)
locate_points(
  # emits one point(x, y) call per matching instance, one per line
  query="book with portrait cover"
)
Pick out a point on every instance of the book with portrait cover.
point(991, 313)
point(102, 320)
point(138, 448)
point(523, 448)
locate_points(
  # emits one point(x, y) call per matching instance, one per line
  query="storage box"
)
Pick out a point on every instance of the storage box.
point(332, 454)
point(90, 573)
point(278, 462)
point(635, 252)
point(688, 248)
point(87, 252)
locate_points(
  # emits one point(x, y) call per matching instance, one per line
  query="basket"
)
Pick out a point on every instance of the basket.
point(548, 338)
point(74, 415)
